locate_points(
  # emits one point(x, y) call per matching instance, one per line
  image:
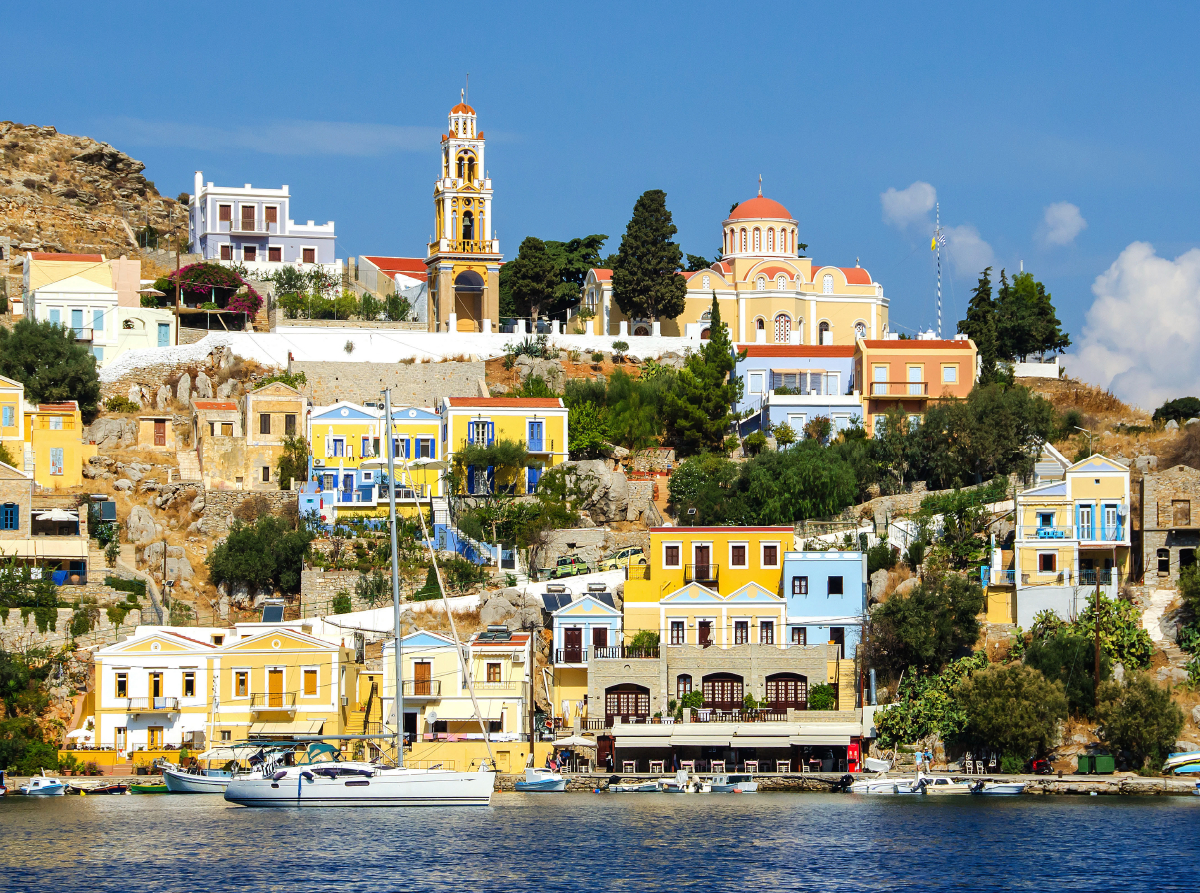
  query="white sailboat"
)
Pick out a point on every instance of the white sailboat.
point(331, 781)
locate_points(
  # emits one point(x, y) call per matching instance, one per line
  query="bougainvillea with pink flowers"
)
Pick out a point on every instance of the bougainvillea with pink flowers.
point(205, 282)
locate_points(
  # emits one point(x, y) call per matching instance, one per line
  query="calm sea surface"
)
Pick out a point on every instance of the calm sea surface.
point(591, 842)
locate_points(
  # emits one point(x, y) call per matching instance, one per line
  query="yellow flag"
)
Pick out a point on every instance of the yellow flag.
point(933, 244)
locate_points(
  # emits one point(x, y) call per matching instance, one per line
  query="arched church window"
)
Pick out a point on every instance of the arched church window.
point(706, 282)
point(743, 241)
point(761, 285)
point(771, 240)
point(468, 226)
point(783, 329)
point(781, 281)
point(823, 334)
point(827, 283)
point(760, 324)
point(757, 239)
point(860, 329)
point(706, 316)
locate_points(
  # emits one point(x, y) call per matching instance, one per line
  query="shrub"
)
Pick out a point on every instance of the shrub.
point(135, 588)
point(644, 642)
point(1069, 658)
point(375, 589)
point(349, 347)
point(597, 357)
point(822, 697)
point(112, 552)
point(934, 622)
point(785, 434)
point(755, 443)
point(926, 705)
point(121, 404)
point(880, 557)
point(619, 350)
point(1122, 635)
point(1013, 708)
point(341, 603)
point(915, 554)
point(693, 700)
point(1138, 716)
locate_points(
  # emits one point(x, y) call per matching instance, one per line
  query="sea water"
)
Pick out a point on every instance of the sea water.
point(600, 842)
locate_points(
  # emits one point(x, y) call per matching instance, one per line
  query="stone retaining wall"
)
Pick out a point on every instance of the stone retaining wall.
point(318, 587)
point(20, 634)
point(219, 505)
point(414, 384)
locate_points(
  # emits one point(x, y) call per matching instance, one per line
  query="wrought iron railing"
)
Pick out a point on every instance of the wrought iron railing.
point(273, 701)
point(422, 688)
point(570, 655)
point(899, 388)
point(701, 573)
point(624, 652)
point(152, 705)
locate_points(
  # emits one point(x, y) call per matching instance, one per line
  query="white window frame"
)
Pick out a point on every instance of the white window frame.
point(796, 421)
point(733, 622)
point(746, 545)
point(1039, 571)
point(762, 551)
point(316, 254)
point(758, 382)
point(313, 668)
point(827, 284)
point(253, 248)
point(674, 567)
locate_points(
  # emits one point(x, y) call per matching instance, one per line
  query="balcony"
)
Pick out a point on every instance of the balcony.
point(248, 227)
point(462, 246)
point(637, 572)
point(1084, 533)
point(417, 689)
point(1092, 576)
point(82, 333)
point(496, 686)
point(1046, 532)
point(995, 576)
point(910, 389)
point(704, 574)
point(541, 446)
point(152, 705)
point(624, 652)
point(572, 655)
point(274, 702)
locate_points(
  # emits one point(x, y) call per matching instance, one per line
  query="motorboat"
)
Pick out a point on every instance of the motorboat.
point(682, 783)
point(1196, 789)
point(998, 788)
point(149, 787)
point(43, 786)
point(322, 778)
point(1182, 763)
point(874, 764)
point(734, 784)
point(196, 781)
point(636, 787)
point(85, 790)
point(941, 785)
point(541, 781)
point(886, 784)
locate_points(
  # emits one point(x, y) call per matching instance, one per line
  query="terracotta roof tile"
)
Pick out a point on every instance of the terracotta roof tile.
point(799, 350)
point(760, 208)
point(214, 404)
point(43, 255)
point(505, 403)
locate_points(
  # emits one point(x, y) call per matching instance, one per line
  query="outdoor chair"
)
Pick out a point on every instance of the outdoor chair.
point(718, 765)
point(629, 766)
point(656, 766)
point(752, 766)
point(688, 765)
point(783, 767)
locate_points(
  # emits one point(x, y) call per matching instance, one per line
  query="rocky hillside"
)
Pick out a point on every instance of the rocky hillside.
point(70, 193)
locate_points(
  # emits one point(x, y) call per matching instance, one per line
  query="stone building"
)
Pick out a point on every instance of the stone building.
point(1170, 523)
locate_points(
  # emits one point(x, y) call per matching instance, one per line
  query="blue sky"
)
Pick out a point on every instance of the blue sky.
point(1056, 134)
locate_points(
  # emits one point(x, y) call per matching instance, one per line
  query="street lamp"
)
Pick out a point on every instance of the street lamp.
point(1089, 437)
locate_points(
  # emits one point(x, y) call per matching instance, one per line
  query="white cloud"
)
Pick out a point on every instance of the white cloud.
point(904, 207)
point(283, 137)
point(1061, 224)
point(1141, 337)
point(968, 252)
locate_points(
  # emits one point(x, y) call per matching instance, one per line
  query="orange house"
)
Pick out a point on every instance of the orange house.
point(910, 373)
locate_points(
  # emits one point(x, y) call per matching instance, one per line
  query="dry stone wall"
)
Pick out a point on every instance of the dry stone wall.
point(415, 384)
point(19, 633)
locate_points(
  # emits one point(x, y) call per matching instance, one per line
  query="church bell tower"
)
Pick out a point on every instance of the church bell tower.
point(464, 258)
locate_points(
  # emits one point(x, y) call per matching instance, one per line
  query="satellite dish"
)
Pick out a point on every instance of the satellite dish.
point(431, 717)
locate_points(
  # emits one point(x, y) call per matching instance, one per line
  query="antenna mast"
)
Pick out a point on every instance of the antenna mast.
point(939, 239)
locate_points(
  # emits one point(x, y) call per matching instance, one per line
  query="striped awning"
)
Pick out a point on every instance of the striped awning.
point(280, 729)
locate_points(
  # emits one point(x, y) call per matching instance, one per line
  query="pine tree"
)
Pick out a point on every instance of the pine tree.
point(53, 366)
point(980, 325)
point(699, 409)
point(645, 282)
point(1051, 339)
point(532, 277)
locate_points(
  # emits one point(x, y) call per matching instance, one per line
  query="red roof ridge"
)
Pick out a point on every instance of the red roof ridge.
point(50, 255)
point(919, 342)
point(799, 350)
point(66, 405)
point(502, 402)
point(214, 404)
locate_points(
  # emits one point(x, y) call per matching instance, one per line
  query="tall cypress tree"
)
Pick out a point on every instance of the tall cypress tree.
point(980, 325)
point(1051, 339)
point(699, 408)
point(645, 282)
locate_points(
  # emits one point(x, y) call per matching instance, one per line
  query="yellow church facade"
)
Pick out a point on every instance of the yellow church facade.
point(767, 293)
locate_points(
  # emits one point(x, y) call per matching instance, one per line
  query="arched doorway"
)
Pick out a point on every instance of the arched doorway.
point(641, 330)
point(468, 300)
point(823, 334)
point(705, 334)
point(626, 702)
point(783, 329)
point(723, 691)
point(787, 691)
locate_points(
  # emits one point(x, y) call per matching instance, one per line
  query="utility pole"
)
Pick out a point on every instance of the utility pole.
point(1096, 692)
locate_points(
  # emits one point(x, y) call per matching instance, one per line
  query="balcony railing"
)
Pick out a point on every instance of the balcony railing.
point(82, 333)
point(495, 686)
point(899, 389)
point(772, 714)
point(422, 688)
point(995, 576)
point(152, 705)
point(541, 446)
point(571, 655)
point(1087, 533)
point(247, 227)
point(273, 701)
point(624, 652)
point(1102, 575)
point(700, 573)
point(462, 246)
point(637, 572)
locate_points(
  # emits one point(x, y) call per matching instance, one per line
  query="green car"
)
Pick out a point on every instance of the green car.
point(569, 566)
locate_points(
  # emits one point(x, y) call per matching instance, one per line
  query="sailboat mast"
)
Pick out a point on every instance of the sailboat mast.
point(391, 460)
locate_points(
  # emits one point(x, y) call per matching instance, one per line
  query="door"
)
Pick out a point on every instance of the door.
point(422, 678)
point(879, 380)
point(77, 322)
point(156, 688)
point(347, 487)
point(705, 633)
point(916, 381)
point(275, 688)
point(1111, 526)
point(599, 639)
point(160, 433)
point(121, 739)
point(154, 739)
point(573, 646)
point(703, 557)
point(164, 334)
point(837, 635)
point(248, 218)
point(1085, 523)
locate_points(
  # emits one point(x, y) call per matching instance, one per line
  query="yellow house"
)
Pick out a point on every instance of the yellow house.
point(54, 445)
point(1072, 536)
point(273, 412)
point(538, 423)
point(416, 438)
point(343, 440)
point(12, 419)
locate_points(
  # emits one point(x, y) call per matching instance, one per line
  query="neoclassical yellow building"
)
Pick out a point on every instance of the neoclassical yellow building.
point(464, 259)
point(767, 293)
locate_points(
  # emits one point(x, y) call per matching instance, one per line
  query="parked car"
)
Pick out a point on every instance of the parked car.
point(629, 556)
point(569, 566)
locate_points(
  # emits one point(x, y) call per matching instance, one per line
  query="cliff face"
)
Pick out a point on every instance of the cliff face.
point(71, 193)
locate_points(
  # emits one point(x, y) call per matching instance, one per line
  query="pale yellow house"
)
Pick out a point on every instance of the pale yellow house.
point(54, 446)
point(12, 418)
point(156, 432)
point(540, 424)
point(48, 537)
point(273, 413)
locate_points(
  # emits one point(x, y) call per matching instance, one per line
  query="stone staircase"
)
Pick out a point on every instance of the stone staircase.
point(441, 510)
point(189, 465)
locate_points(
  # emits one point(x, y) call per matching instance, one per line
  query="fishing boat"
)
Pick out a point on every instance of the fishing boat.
point(941, 785)
point(541, 781)
point(43, 786)
point(885, 784)
point(998, 788)
point(149, 787)
point(681, 783)
point(86, 790)
point(1196, 789)
point(734, 784)
point(1182, 763)
point(635, 787)
point(196, 781)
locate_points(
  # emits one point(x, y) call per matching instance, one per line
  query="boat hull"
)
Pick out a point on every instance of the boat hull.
point(647, 787)
point(549, 786)
point(403, 787)
point(189, 783)
point(1002, 789)
point(46, 791)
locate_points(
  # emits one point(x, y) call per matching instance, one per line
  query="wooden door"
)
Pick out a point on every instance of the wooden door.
point(156, 685)
point(705, 628)
point(160, 433)
point(275, 688)
point(702, 555)
point(599, 637)
point(422, 678)
point(155, 740)
point(573, 646)
point(248, 218)
point(121, 739)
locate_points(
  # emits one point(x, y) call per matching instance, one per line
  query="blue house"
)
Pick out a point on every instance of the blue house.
point(826, 594)
point(583, 627)
point(797, 383)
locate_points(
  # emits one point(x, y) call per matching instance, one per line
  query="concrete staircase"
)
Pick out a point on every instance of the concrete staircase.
point(441, 510)
point(189, 465)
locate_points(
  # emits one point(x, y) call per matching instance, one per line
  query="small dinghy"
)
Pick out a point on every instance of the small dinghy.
point(998, 788)
point(1182, 763)
point(43, 786)
point(541, 781)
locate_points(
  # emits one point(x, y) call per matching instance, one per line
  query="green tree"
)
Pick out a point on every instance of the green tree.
point(587, 425)
point(292, 463)
point(926, 706)
point(1013, 708)
point(1140, 717)
point(1122, 635)
point(928, 626)
point(785, 434)
point(793, 485)
point(1067, 657)
point(822, 697)
point(532, 277)
point(572, 261)
point(980, 326)
point(1178, 410)
point(704, 483)
point(262, 554)
point(53, 366)
point(637, 408)
point(695, 262)
point(645, 280)
point(897, 448)
point(1049, 338)
point(700, 408)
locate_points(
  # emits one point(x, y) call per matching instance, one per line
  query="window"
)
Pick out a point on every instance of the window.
point(683, 685)
point(1045, 519)
point(757, 239)
point(97, 322)
point(310, 682)
point(535, 435)
point(783, 329)
point(266, 474)
point(799, 585)
point(224, 213)
point(823, 334)
point(1164, 561)
point(781, 281)
point(787, 690)
point(56, 459)
point(264, 423)
point(274, 254)
point(799, 635)
point(723, 690)
point(1181, 511)
point(249, 253)
point(766, 632)
point(9, 518)
point(743, 240)
point(757, 382)
point(741, 632)
point(56, 423)
point(878, 423)
point(493, 672)
point(671, 556)
point(480, 433)
point(836, 586)
point(122, 685)
point(860, 329)
point(248, 218)
point(770, 555)
point(737, 555)
point(309, 255)
point(761, 284)
point(1047, 562)
point(771, 239)
point(9, 417)
point(677, 632)
point(226, 735)
point(226, 252)
point(827, 284)
point(55, 316)
point(271, 214)
point(950, 374)
point(339, 447)
point(189, 685)
point(289, 424)
point(241, 684)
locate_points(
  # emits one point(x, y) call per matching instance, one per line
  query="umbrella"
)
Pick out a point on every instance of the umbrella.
point(57, 515)
point(81, 733)
point(575, 741)
point(152, 291)
point(436, 464)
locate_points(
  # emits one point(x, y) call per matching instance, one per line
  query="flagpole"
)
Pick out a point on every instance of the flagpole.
point(938, 238)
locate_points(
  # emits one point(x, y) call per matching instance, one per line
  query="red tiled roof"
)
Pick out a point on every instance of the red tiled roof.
point(760, 208)
point(68, 406)
point(856, 275)
point(921, 344)
point(602, 275)
point(722, 267)
point(44, 255)
point(505, 402)
point(799, 350)
point(190, 639)
point(772, 272)
point(214, 404)
point(517, 639)
point(413, 267)
point(462, 107)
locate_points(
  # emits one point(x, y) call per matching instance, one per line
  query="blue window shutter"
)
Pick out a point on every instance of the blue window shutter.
point(470, 478)
point(491, 479)
point(8, 417)
point(491, 433)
